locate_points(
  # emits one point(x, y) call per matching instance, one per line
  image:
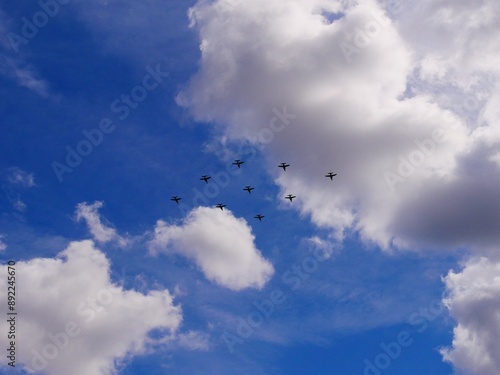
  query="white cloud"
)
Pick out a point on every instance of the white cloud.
point(496, 159)
point(220, 244)
point(17, 179)
point(17, 176)
point(406, 163)
point(74, 320)
point(460, 37)
point(24, 74)
point(457, 42)
point(26, 77)
point(194, 340)
point(15, 67)
point(19, 205)
point(327, 247)
point(101, 232)
point(474, 301)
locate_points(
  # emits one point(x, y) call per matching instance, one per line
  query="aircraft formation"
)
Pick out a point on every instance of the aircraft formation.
point(249, 188)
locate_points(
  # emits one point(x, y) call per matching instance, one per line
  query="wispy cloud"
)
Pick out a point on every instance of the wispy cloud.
point(101, 232)
point(16, 176)
point(194, 340)
point(24, 74)
point(17, 179)
point(14, 67)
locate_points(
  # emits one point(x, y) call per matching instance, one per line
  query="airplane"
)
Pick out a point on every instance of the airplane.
point(176, 199)
point(331, 175)
point(249, 189)
point(290, 196)
point(259, 216)
point(238, 162)
point(284, 166)
point(221, 206)
point(205, 178)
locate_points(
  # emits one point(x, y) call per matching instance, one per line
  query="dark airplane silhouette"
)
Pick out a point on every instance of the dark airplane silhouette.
point(284, 166)
point(205, 178)
point(259, 216)
point(290, 196)
point(331, 175)
point(238, 162)
point(249, 189)
point(221, 206)
point(176, 199)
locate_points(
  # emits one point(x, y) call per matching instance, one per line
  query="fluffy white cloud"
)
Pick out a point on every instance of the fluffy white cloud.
point(455, 39)
point(220, 244)
point(101, 232)
point(74, 320)
point(474, 301)
point(457, 43)
point(348, 77)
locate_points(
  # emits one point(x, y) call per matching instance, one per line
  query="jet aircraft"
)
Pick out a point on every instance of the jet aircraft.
point(221, 206)
point(284, 166)
point(238, 162)
point(249, 189)
point(331, 175)
point(176, 199)
point(259, 216)
point(205, 178)
point(290, 196)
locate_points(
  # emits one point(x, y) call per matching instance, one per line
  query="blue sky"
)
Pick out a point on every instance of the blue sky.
point(376, 272)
